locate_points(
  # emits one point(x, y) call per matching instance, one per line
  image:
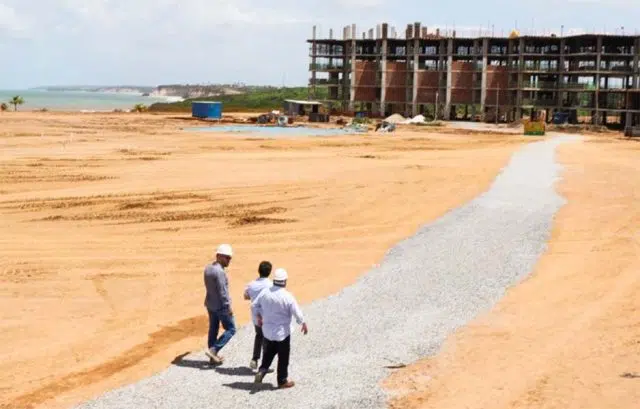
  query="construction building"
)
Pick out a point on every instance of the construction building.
point(589, 78)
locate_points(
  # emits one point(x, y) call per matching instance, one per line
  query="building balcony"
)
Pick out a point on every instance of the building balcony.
point(324, 81)
point(620, 69)
point(327, 55)
point(328, 67)
point(532, 68)
point(577, 86)
point(541, 85)
point(539, 102)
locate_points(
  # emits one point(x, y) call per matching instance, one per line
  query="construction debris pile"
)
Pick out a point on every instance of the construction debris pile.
point(395, 119)
point(385, 127)
point(399, 119)
point(273, 117)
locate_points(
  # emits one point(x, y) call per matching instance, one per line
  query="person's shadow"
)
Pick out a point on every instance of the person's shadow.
point(250, 386)
point(239, 371)
point(189, 363)
point(208, 365)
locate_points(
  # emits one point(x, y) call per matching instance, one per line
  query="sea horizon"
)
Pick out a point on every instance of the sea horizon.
point(79, 100)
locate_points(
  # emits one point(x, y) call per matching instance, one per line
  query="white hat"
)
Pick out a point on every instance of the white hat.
point(280, 275)
point(225, 250)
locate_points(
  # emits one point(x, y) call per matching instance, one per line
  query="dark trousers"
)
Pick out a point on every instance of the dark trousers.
point(282, 349)
point(228, 323)
point(258, 343)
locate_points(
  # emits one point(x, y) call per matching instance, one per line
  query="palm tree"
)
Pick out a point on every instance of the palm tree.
point(3, 107)
point(15, 101)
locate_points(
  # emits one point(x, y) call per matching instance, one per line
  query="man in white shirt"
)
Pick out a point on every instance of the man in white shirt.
point(275, 307)
point(250, 293)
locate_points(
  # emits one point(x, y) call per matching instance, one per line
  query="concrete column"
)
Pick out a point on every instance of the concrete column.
point(560, 74)
point(598, 60)
point(447, 107)
point(474, 83)
point(352, 70)
point(635, 80)
point(519, 84)
point(440, 94)
point(511, 110)
point(312, 67)
point(383, 69)
point(483, 89)
point(416, 64)
point(636, 64)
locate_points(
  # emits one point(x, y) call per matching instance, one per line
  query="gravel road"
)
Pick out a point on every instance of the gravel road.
point(401, 311)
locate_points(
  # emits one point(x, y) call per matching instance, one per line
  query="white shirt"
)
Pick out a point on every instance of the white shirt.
point(253, 289)
point(277, 306)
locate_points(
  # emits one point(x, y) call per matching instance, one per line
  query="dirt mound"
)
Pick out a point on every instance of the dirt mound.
point(395, 119)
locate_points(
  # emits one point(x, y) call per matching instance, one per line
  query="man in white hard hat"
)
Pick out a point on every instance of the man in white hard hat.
point(250, 293)
point(218, 303)
point(275, 307)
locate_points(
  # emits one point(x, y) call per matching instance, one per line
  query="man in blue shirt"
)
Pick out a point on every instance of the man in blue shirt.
point(250, 293)
point(218, 303)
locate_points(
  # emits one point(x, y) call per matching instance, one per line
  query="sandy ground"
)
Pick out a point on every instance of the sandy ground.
point(569, 336)
point(108, 220)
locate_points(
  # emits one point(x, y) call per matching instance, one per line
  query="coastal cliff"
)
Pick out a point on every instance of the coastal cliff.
point(197, 91)
point(182, 91)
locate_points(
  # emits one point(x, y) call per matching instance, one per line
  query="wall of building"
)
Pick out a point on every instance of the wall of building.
point(462, 82)
point(428, 81)
point(365, 80)
point(396, 81)
point(498, 82)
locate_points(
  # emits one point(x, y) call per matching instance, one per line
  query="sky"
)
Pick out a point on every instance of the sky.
point(153, 42)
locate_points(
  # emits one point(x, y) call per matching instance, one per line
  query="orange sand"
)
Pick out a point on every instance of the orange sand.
point(569, 336)
point(108, 220)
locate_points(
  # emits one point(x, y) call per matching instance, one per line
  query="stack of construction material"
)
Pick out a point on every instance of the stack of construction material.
point(418, 119)
point(395, 119)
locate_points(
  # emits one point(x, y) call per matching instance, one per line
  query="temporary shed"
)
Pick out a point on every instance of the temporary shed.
point(294, 107)
point(206, 109)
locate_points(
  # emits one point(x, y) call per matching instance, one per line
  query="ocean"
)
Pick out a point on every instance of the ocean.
point(78, 100)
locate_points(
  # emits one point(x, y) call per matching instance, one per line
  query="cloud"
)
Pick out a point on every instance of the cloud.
point(11, 24)
point(158, 41)
point(605, 2)
point(359, 3)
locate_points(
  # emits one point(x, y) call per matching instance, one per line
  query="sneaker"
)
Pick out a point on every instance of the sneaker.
point(213, 356)
point(253, 364)
point(259, 377)
point(287, 384)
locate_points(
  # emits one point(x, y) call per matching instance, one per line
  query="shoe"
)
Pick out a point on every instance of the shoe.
point(259, 377)
point(214, 358)
point(253, 364)
point(287, 384)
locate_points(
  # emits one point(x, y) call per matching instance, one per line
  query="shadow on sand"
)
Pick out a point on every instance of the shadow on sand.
point(207, 365)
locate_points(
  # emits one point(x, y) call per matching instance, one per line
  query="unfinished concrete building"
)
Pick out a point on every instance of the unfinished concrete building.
point(588, 78)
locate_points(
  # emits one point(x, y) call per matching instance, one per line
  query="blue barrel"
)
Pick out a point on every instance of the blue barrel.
point(206, 109)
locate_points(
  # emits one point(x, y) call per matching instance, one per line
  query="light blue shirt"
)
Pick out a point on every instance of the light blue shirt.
point(277, 306)
point(253, 289)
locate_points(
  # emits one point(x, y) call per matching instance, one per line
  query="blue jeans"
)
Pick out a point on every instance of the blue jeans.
point(228, 323)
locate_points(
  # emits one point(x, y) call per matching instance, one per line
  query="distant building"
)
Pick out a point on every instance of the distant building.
point(595, 75)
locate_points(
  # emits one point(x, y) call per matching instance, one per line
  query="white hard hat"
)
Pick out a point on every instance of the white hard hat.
point(225, 250)
point(280, 275)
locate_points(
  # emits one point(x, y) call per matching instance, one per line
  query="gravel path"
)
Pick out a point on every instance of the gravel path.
point(401, 311)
